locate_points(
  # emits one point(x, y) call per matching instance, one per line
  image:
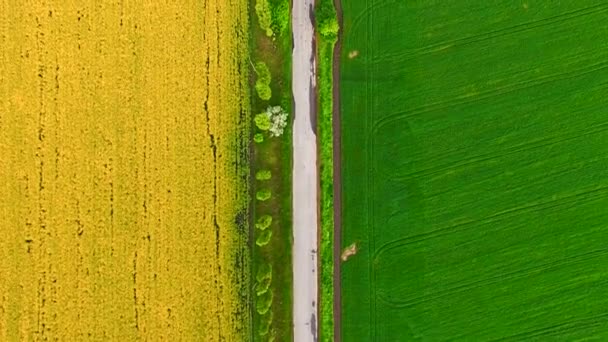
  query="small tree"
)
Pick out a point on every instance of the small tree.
point(262, 121)
point(263, 195)
point(263, 222)
point(263, 175)
point(278, 120)
point(264, 238)
point(258, 138)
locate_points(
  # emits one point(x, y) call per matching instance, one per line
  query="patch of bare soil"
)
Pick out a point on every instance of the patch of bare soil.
point(349, 251)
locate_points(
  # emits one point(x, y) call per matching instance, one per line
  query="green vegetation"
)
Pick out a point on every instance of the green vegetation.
point(263, 238)
point(258, 138)
point(263, 195)
point(263, 286)
point(262, 121)
point(262, 9)
point(262, 82)
point(265, 322)
point(327, 26)
point(476, 153)
point(280, 17)
point(264, 302)
point(272, 173)
point(264, 272)
point(327, 20)
point(263, 175)
point(263, 222)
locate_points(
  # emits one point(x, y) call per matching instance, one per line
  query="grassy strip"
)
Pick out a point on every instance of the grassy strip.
point(327, 199)
point(327, 29)
point(272, 155)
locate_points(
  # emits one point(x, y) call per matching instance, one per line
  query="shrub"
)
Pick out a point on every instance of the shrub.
point(278, 120)
point(262, 9)
point(263, 175)
point(258, 138)
point(263, 90)
point(264, 238)
point(262, 82)
point(263, 286)
point(275, 121)
point(329, 29)
point(262, 121)
point(280, 16)
point(265, 322)
point(264, 272)
point(263, 222)
point(327, 20)
point(264, 302)
point(263, 195)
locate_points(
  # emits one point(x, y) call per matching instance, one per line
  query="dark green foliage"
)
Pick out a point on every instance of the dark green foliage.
point(280, 16)
point(263, 175)
point(264, 238)
point(262, 82)
point(263, 302)
point(263, 222)
point(258, 138)
point(475, 170)
point(263, 195)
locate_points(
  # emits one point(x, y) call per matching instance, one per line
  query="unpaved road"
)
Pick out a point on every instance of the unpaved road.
point(305, 177)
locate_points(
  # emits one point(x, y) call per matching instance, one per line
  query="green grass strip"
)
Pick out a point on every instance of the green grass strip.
point(327, 27)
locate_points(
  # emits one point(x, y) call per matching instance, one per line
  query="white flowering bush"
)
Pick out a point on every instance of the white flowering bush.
point(278, 120)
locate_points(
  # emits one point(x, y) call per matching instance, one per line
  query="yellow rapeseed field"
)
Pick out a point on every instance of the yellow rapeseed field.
point(123, 170)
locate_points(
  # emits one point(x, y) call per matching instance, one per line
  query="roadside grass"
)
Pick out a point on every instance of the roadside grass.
point(327, 26)
point(274, 155)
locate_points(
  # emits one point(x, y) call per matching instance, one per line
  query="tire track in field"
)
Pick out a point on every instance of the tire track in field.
point(535, 24)
point(370, 182)
point(561, 328)
point(471, 98)
point(519, 274)
point(366, 13)
point(526, 147)
point(581, 197)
